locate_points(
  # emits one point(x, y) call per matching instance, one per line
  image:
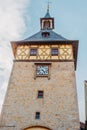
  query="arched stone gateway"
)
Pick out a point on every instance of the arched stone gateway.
point(37, 128)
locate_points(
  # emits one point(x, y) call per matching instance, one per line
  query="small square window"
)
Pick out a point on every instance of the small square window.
point(40, 94)
point(33, 51)
point(54, 51)
point(37, 115)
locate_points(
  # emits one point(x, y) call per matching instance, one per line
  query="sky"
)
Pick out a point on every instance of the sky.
point(20, 19)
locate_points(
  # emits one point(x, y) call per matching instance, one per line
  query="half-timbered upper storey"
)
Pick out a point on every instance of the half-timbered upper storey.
point(46, 45)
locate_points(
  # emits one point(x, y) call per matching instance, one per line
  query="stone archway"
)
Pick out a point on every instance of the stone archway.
point(37, 128)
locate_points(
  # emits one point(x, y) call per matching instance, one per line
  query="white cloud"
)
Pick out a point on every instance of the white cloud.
point(12, 27)
point(11, 18)
point(2, 92)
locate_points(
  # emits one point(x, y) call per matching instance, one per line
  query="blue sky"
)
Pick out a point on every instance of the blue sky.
point(20, 19)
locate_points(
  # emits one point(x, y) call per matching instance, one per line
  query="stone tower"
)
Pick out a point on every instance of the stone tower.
point(41, 94)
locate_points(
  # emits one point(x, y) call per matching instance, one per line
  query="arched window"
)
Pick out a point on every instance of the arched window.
point(46, 24)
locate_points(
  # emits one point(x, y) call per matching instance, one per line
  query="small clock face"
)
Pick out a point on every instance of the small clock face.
point(42, 70)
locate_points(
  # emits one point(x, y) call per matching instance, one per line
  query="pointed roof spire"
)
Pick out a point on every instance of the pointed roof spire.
point(48, 14)
point(47, 22)
point(48, 7)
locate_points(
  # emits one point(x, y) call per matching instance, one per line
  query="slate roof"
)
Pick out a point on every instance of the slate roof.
point(52, 36)
point(47, 15)
point(39, 36)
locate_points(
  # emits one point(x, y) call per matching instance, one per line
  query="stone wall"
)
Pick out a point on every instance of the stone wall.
point(58, 109)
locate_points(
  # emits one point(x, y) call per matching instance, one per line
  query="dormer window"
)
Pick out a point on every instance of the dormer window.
point(45, 34)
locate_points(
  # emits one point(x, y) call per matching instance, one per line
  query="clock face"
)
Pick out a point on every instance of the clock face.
point(42, 70)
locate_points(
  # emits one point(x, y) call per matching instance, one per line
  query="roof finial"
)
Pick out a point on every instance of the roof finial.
point(48, 6)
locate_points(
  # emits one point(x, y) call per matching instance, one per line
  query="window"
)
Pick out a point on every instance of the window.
point(46, 24)
point(45, 34)
point(54, 51)
point(33, 51)
point(40, 94)
point(37, 115)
